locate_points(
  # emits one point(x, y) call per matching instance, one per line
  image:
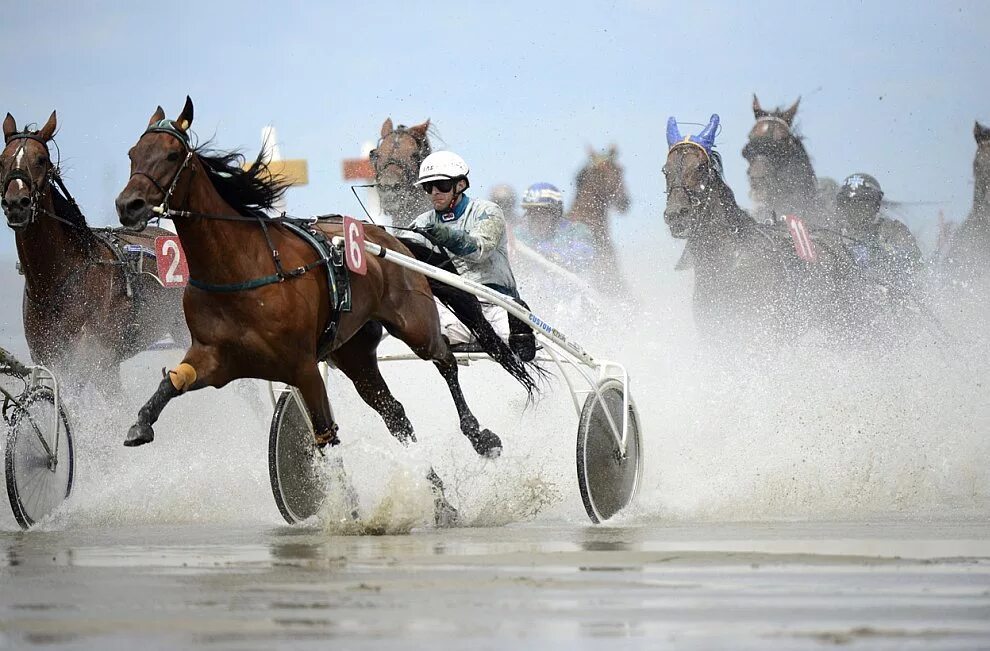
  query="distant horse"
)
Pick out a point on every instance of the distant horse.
point(248, 322)
point(750, 284)
point(82, 289)
point(968, 257)
point(396, 162)
point(782, 179)
point(600, 187)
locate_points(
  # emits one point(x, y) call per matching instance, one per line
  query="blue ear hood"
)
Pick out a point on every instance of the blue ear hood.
point(673, 133)
point(705, 139)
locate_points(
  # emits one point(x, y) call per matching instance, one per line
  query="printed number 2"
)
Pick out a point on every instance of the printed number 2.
point(356, 252)
point(172, 249)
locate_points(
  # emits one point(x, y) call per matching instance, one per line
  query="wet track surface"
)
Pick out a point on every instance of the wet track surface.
point(760, 586)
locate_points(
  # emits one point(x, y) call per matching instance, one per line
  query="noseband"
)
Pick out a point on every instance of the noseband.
point(167, 126)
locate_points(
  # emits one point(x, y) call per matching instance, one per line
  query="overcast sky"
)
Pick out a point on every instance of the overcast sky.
point(520, 89)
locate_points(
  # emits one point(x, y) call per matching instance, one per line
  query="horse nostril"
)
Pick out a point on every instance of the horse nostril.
point(24, 202)
point(135, 206)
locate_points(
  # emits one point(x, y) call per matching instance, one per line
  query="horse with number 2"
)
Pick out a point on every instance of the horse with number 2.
point(270, 297)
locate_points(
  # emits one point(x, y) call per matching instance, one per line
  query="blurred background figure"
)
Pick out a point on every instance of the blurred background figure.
point(544, 229)
point(504, 197)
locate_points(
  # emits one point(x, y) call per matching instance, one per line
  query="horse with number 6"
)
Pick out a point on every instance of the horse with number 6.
point(259, 302)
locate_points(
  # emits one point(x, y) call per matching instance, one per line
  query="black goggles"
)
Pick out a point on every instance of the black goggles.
point(443, 185)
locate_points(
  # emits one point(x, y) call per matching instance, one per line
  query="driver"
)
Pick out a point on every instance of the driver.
point(881, 244)
point(473, 231)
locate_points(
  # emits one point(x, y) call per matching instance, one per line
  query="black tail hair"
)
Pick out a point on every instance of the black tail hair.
point(467, 309)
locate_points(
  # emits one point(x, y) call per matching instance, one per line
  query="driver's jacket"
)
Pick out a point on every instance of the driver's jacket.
point(483, 220)
point(886, 247)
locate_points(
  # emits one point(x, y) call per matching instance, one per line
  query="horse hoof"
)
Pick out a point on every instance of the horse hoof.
point(329, 437)
point(445, 515)
point(487, 444)
point(139, 434)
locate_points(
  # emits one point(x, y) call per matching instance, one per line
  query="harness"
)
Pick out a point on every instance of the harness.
point(329, 256)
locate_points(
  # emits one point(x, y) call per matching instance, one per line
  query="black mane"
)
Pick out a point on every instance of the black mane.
point(252, 191)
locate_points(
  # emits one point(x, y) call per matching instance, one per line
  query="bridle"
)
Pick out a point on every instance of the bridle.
point(51, 177)
point(410, 172)
point(169, 127)
point(768, 146)
point(696, 199)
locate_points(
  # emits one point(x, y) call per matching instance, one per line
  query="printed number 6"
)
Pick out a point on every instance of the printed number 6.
point(356, 252)
point(171, 248)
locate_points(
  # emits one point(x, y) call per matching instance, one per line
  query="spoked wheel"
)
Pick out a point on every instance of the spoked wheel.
point(298, 489)
point(607, 476)
point(39, 462)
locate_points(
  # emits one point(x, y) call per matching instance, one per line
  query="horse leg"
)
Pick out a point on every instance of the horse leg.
point(424, 339)
point(485, 442)
point(195, 371)
point(358, 360)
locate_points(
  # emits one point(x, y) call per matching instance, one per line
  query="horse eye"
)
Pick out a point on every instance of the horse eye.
point(173, 156)
point(664, 170)
point(42, 160)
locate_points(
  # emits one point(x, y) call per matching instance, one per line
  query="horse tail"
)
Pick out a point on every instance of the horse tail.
point(467, 309)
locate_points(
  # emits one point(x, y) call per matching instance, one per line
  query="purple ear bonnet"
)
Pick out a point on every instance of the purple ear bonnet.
point(706, 139)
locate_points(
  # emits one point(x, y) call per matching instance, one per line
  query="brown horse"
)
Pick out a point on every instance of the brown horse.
point(81, 292)
point(968, 258)
point(396, 162)
point(600, 187)
point(249, 323)
point(782, 179)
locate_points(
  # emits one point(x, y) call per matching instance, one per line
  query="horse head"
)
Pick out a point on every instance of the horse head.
point(693, 176)
point(26, 169)
point(981, 165)
point(771, 150)
point(396, 162)
point(602, 179)
point(158, 160)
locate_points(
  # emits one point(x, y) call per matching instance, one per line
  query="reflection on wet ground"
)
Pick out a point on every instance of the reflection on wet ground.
point(741, 586)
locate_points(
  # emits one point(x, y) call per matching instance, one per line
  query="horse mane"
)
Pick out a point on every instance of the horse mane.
point(252, 191)
point(77, 228)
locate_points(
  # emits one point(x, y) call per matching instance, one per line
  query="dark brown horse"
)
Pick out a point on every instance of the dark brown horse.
point(600, 187)
point(247, 322)
point(751, 286)
point(968, 258)
point(85, 308)
point(782, 179)
point(396, 162)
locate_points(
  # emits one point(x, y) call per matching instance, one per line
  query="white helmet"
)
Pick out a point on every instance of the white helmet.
point(442, 165)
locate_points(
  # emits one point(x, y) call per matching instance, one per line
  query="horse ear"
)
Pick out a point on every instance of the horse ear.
point(613, 151)
point(184, 121)
point(980, 132)
point(673, 133)
point(758, 111)
point(419, 130)
point(9, 126)
point(157, 116)
point(788, 115)
point(707, 135)
point(48, 130)
point(386, 127)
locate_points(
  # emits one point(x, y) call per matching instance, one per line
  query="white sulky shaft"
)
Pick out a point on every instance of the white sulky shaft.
point(538, 325)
